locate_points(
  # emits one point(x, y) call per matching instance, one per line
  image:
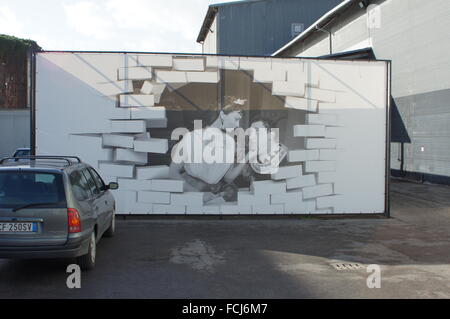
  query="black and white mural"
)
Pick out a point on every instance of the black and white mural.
point(192, 134)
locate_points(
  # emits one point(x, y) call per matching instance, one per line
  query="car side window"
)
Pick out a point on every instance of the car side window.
point(90, 182)
point(79, 185)
point(98, 180)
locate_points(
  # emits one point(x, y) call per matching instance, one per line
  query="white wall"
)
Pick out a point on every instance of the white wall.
point(210, 44)
point(337, 110)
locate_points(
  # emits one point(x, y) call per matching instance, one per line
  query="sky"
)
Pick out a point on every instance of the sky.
point(107, 25)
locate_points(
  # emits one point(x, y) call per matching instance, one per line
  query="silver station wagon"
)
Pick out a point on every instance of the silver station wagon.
point(53, 207)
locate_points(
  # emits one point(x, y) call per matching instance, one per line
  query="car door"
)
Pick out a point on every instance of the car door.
point(96, 203)
point(106, 201)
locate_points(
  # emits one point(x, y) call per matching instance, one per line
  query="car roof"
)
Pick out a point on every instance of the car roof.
point(40, 164)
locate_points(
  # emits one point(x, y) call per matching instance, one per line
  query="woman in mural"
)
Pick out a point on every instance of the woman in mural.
point(213, 177)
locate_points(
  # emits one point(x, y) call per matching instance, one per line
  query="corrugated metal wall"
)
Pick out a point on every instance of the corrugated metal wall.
point(262, 27)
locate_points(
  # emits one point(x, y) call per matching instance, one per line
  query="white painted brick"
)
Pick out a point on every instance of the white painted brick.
point(152, 172)
point(301, 181)
point(322, 212)
point(194, 210)
point(312, 73)
point(176, 209)
point(320, 166)
point(118, 126)
point(333, 132)
point(169, 209)
point(328, 155)
point(228, 63)
point(126, 155)
point(324, 119)
point(319, 143)
point(136, 100)
point(157, 123)
point(168, 185)
point(291, 198)
point(309, 130)
point(171, 77)
point(134, 185)
point(320, 95)
point(267, 75)
point(211, 209)
point(250, 63)
point(300, 103)
point(135, 73)
point(268, 209)
point(188, 198)
point(303, 155)
point(327, 177)
point(288, 88)
point(162, 60)
point(189, 64)
point(118, 140)
point(304, 207)
point(212, 61)
point(145, 135)
point(233, 209)
point(152, 88)
point(203, 77)
point(141, 209)
point(116, 87)
point(125, 200)
point(152, 112)
point(267, 187)
point(295, 74)
point(317, 191)
point(328, 201)
point(152, 145)
point(247, 198)
point(287, 172)
point(154, 197)
point(118, 170)
point(118, 113)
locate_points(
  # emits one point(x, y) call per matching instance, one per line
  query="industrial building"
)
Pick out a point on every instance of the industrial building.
point(257, 27)
point(414, 35)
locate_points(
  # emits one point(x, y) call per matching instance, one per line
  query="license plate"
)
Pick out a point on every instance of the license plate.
point(18, 227)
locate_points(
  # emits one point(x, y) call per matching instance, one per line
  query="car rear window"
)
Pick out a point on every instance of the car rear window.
point(23, 188)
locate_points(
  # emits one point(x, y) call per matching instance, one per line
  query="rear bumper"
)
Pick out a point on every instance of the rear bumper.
point(69, 250)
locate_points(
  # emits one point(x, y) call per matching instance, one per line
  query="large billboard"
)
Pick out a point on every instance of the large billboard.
point(203, 134)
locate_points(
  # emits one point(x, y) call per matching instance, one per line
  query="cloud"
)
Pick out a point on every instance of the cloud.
point(9, 23)
point(114, 25)
point(89, 19)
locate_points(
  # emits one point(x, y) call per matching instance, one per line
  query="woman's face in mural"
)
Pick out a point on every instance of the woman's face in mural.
point(230, 120)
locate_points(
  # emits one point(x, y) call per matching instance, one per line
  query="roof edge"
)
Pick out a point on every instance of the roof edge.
point(209, 18)
point(322, 20)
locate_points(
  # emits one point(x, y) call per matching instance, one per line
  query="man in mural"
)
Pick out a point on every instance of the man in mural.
point(212, 177)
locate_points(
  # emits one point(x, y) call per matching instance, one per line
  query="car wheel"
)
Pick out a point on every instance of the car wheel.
point(112, 228)
point(87, 262)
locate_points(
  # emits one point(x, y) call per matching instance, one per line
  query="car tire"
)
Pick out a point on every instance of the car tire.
point(112, 228)
point(87, 262)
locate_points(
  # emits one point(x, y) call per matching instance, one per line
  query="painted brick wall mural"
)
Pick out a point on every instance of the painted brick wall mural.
point(318, 143)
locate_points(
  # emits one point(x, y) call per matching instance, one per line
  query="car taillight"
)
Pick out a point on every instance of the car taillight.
point(74, 220)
